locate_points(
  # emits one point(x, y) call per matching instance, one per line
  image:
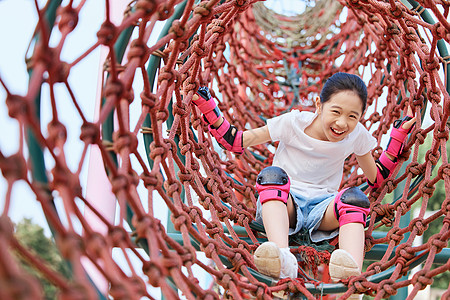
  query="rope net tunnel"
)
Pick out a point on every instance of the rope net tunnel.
point(161, 162)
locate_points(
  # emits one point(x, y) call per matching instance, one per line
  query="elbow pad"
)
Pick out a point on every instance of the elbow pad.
point(228, 137)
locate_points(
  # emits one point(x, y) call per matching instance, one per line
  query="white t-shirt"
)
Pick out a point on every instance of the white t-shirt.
point(315, 167)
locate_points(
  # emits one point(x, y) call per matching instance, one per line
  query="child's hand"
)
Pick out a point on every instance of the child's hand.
point(408, 124)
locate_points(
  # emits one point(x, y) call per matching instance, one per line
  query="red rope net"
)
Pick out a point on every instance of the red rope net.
point(259, 64)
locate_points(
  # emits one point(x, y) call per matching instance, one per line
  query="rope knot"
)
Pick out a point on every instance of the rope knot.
point(118, 236)
point(419, 136)
point(203, 9)
point(157, 150)
point(180, 108)
point(210, 248)
point(107, 34)
point(395, 236)
point(153, 179)
point(70, 244)
point(198, 49)
point(397, 11)
point(57, 133)
point(439, 242)
point(147, 6)
point(90, 133)
point(68, 19)
point(13, 167)
point(422, 279)
point(358, 282)
point(148, 99)
point(243, 4)
point(376, 266)
point(96, 244)
point(443, 134)
point(154, 271)
point(165, 11)
point(388, 286)
point(432, 63)
point(138, 50)
point(114, 87)
point(177, 29)
point(180, 219)
point(18, 106)
point(125, 141)
point(185, 147)
point(405, 253)
point(64, 178)
point(119, 183)
point(418, 224)
point(173, 187)
point(185, 176)
point(439, 31)
point(216, 26)
point(168, 74)
point(444, 171)
point(428, 188)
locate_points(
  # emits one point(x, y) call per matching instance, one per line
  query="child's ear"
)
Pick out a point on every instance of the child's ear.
point(318, 105)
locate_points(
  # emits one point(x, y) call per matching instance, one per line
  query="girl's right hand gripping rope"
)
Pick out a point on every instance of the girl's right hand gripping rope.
point(207, 105)
point(227, 135)
point(395, 147)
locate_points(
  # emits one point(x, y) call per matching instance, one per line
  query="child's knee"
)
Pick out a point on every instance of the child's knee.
point(351, 206)
point(273, 184)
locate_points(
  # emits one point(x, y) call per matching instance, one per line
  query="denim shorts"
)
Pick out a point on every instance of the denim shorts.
point(310, 212)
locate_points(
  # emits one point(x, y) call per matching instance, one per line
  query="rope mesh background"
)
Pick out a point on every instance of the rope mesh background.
point(257, 70)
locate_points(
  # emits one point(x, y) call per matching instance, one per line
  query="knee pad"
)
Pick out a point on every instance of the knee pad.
point(351, 205)
point(273, 183)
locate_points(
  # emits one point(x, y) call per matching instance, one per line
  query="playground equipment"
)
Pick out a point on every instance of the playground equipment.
point(259, 64)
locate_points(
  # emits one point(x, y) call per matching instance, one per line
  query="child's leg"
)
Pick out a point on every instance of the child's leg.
point(277, 217)
point(274, 258)
point(348, 211)
point(351, 235)
point(351, 239)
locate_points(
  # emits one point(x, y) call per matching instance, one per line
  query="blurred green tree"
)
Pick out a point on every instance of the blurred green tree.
point(32, 237)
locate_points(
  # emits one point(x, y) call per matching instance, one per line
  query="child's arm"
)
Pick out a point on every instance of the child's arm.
point(227, 135)
point(377, 171)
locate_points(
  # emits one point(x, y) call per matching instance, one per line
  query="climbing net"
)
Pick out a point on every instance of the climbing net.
point(258, 64)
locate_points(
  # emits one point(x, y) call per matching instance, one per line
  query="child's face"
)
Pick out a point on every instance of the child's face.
point(339, 115)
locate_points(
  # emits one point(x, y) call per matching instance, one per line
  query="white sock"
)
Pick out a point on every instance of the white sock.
point(289, 265)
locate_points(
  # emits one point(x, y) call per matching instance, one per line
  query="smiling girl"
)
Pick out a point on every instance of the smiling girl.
point(300, 190)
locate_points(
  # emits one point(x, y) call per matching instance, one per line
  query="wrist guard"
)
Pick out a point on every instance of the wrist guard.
point(207, 105)
point(385, 166)
point(398, 137)
point(228, 137)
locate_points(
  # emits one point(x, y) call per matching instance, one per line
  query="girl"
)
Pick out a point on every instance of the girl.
point(300, 189)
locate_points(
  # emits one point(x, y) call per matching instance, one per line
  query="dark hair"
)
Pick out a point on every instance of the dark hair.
point(340, 82)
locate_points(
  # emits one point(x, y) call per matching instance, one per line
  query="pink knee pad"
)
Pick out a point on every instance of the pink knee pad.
point(273, 184)
point(351, 205)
